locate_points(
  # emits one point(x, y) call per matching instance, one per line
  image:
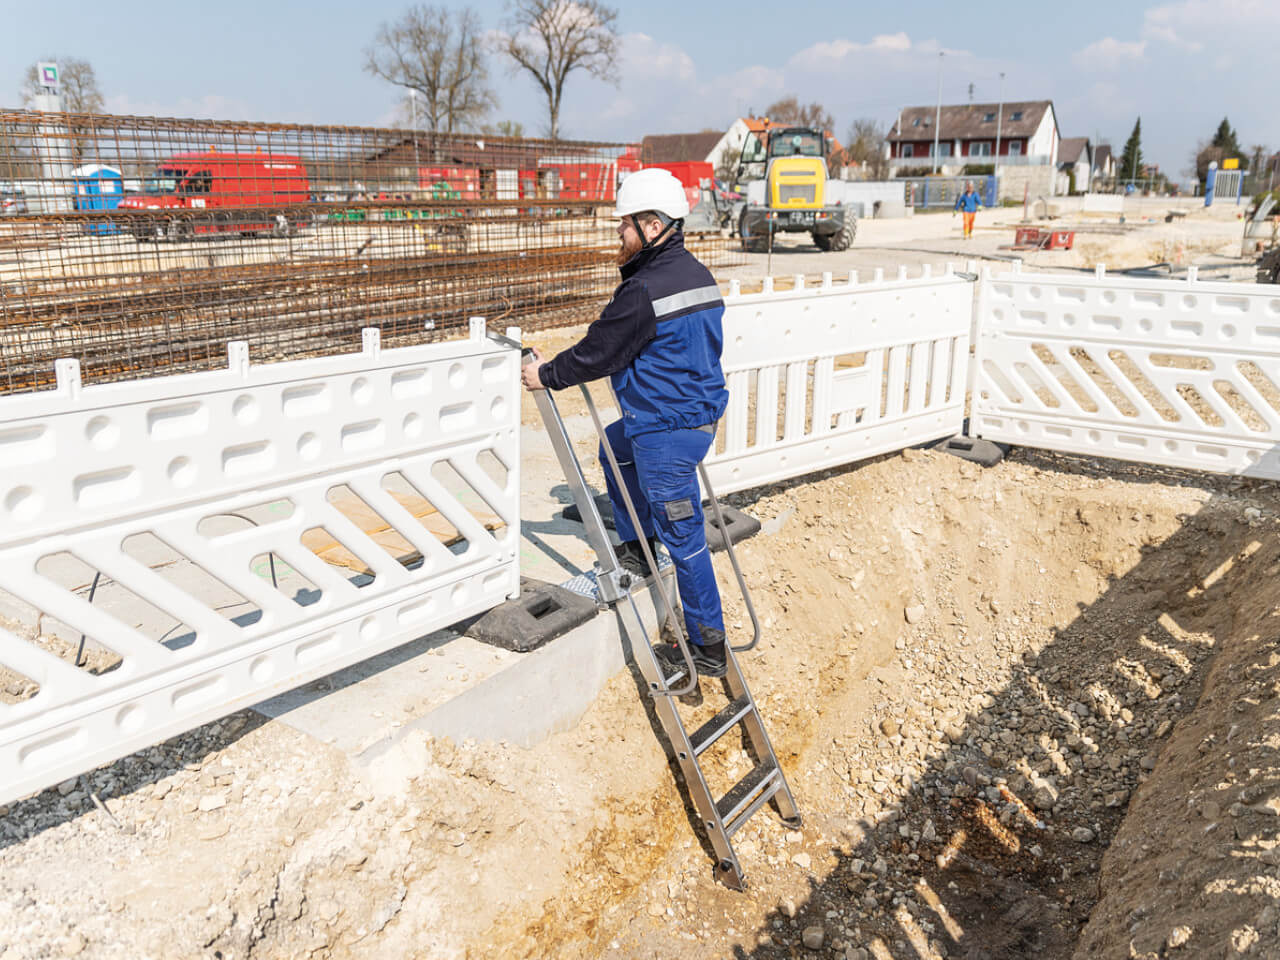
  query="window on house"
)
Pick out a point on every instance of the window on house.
point(989, 118)
point(980, 148)
point(1015, 148)
point(908, 149)
point(915, 122)
point(944, 149)
point(1016, 115)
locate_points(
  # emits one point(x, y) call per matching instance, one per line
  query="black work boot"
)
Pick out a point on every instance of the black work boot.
point(708, 660)
point(631, 556)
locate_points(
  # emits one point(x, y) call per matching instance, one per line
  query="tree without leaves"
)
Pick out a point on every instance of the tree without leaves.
point(790, 110)
point(506, 128)
point(438, 53)
point(552, 38)
point(1131, 156)
point(78, 89)
point(864, 146)
point(80, 93)
point(726, 163)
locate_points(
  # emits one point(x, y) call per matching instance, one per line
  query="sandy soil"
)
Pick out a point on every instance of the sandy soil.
point(1209, 237)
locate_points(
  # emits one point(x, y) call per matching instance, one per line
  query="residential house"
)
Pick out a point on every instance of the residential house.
point(680, 147)
point(1075, 161)
point(1020, 137)
point(1104, 164)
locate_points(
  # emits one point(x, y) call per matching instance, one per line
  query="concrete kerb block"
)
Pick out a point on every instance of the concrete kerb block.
point(545, 692)
point(541, 613)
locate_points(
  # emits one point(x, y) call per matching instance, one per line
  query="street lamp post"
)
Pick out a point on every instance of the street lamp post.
point(937, 117)
point(999, 119)
point(413, 113)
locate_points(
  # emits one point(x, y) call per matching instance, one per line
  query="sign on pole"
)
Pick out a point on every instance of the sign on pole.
point(47, 74)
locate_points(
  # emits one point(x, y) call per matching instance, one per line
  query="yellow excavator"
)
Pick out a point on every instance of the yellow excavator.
point(783, 171)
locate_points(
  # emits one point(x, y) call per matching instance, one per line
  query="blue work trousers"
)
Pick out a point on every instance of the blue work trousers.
point(661, 473)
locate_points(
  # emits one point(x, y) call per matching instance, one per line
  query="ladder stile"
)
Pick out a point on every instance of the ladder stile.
point(765, 781)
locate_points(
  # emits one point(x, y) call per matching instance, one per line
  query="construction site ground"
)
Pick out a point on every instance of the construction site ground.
point(1027, 711)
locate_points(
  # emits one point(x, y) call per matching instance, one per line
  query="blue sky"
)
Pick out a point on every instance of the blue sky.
point(1181, 65)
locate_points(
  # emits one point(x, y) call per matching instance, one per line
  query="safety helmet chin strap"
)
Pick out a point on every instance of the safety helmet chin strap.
point(669, 226)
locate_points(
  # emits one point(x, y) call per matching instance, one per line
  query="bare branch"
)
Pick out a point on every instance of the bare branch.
point(549, 39)
point(790, 110)
point(438, 53)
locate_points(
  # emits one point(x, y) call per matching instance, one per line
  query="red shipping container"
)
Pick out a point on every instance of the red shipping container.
point(693, 175)
point(465, 180)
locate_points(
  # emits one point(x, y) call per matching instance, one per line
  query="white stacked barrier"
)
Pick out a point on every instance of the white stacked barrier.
point(824, 376)
point(86, 469)
point(1182, 373)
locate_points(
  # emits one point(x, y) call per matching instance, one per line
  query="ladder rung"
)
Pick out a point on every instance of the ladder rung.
point(765, 795)
point(719, 725)
point(742, 794)
point(671, 679)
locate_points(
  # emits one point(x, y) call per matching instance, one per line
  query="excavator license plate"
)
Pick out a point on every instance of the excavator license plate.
point(802, 216)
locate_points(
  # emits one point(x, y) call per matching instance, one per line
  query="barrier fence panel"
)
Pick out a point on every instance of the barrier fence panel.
point(823, 376)
point(1176, 372)
point(174, 549)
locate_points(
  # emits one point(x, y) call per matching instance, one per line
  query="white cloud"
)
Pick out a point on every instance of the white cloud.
point(1188, 24)
point(891, 41)
point(661, 91)
point(1109, 53)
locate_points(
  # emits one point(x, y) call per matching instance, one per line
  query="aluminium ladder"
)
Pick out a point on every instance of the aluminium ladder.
point(612, 584)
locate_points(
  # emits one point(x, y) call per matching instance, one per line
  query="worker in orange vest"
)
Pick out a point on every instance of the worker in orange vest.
point(969, 203)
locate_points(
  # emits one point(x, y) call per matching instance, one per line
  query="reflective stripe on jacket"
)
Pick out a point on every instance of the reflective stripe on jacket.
point(659, 338)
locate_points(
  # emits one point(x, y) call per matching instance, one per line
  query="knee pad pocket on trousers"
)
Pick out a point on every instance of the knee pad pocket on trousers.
point(679, 509)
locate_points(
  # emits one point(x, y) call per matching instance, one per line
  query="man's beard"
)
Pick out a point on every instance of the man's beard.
point(628, 246)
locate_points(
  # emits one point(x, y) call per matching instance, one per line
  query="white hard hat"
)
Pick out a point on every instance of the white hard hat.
point(652, 189)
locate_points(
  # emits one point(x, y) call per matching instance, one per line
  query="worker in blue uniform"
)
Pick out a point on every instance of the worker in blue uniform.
point(659, 341)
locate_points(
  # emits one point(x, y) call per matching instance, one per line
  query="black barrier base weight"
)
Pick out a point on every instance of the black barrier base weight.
point(982, 452)
point(741, 525)
point(542, 613)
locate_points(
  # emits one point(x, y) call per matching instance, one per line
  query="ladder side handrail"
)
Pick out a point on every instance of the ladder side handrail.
point(668, 608)
point(733, 560)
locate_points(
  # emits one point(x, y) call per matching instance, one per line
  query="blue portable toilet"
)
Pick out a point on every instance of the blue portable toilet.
point(98, 187)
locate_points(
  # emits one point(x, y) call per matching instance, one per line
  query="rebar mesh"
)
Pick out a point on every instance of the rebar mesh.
point(141, 246)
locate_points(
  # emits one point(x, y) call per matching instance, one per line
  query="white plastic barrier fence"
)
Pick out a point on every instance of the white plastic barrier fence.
point(1176, 372)
point(244, 532)
point(824, 376)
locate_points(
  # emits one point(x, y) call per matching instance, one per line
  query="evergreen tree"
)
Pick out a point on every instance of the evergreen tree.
point(1131, 158)
point(1225, 139)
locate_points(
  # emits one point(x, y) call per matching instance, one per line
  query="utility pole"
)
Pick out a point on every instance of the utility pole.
point(999, 119)
point(937, 117)
point(413, 113)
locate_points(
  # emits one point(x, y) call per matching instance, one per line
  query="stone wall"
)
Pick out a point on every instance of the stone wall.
point(1037, 181)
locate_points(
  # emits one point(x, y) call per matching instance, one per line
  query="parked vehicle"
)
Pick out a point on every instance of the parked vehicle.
point(12, 199)
point(228, 192)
